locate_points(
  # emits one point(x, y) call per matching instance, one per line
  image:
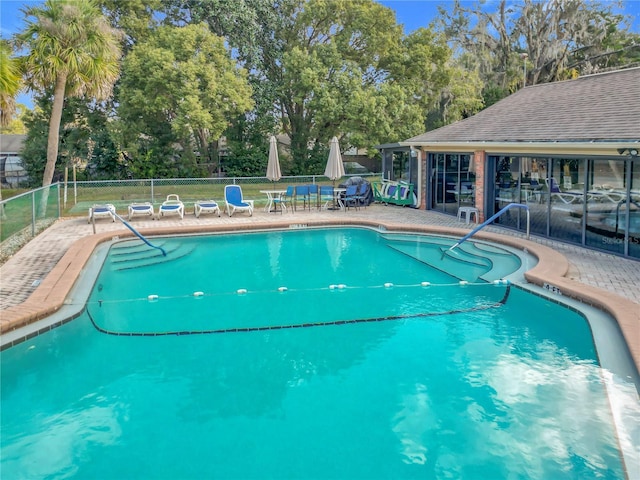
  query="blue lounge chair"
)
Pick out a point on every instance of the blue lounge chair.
point(233, 199)
point(102, 211)
point(172, 206)
point(137, 209)
point(205, 206)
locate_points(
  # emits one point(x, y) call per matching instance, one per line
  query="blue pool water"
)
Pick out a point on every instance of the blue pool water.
point(442, 380)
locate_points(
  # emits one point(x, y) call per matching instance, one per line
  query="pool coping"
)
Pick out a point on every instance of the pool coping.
point(550, 272)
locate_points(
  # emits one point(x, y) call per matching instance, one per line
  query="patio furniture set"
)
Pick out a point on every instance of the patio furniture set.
point(324, 197)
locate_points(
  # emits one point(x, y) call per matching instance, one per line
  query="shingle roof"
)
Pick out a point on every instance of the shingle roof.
point(11, 143)
point(594, 108)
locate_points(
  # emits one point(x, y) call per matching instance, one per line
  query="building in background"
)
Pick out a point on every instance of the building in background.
point(568, 150)
point(11, 170)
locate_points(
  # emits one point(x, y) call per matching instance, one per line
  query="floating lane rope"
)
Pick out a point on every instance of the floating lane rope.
point(477, 308)
point(342, 286)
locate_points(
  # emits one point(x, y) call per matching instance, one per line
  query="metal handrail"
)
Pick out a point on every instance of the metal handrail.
point(620, 203)
point(135, 232)
point(487, 222)
point(139, 235)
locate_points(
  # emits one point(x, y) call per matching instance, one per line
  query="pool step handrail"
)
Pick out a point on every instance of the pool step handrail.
point(137, 234)
point(620, 203)
point(491, 219)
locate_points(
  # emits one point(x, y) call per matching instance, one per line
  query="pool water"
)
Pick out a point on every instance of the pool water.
point(445, 381)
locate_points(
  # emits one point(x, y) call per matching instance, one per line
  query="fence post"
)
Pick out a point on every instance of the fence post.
point(59, 206)
point(33, 214)
point(152, 190)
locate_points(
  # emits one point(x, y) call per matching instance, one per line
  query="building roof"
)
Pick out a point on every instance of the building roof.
point(11, 144)
point(595, 108)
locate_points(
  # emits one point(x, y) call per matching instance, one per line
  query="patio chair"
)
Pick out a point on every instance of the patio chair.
point(205, 206)
point(139, 209)
point(105, 210)
point(172, 206)
point(326, 197)
point(234, 201)
point(314, 197)
point(281, 200)
point(361, 195)
point(302, 193)
point(396, 193)
point(350, 197)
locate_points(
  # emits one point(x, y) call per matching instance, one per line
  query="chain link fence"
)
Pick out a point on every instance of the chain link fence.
point(78, 197)
point(24, 216)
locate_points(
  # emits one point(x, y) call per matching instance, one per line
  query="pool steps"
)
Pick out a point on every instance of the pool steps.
point(137, 255)
point(471, 262)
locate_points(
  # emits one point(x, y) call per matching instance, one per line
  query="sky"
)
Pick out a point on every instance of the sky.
point(412, 14)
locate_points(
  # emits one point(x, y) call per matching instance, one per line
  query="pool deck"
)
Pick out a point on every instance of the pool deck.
point(36, 280)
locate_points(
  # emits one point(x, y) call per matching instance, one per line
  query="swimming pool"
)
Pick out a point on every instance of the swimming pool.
point(403, 370)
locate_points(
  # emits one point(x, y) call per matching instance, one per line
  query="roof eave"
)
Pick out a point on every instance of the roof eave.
point(570, 148)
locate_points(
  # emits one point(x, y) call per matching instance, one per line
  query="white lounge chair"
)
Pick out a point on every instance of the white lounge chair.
point(172, 206)
point(234, 201)
point(564, 197)
point(139, 209)
point(101, 211)
point(205, 206)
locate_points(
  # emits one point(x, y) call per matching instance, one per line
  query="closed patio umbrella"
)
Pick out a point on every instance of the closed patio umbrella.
point(335, 168)
point(273, 167)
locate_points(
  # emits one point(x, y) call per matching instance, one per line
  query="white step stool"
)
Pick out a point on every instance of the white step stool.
point(468, 211)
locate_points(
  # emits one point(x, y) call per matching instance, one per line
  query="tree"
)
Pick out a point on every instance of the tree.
point(10, 80)
point(564, 39)
point(347, 70)
point(85, 140)
point(321, 68)
point(249, 27)
point(72, 47)
point(179, 91)
point(135, 18)
point(16, 124)
point(561, 39)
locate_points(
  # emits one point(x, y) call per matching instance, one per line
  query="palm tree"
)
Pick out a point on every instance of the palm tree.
point(73, 48)
point(9, 84)
point(9, 87)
